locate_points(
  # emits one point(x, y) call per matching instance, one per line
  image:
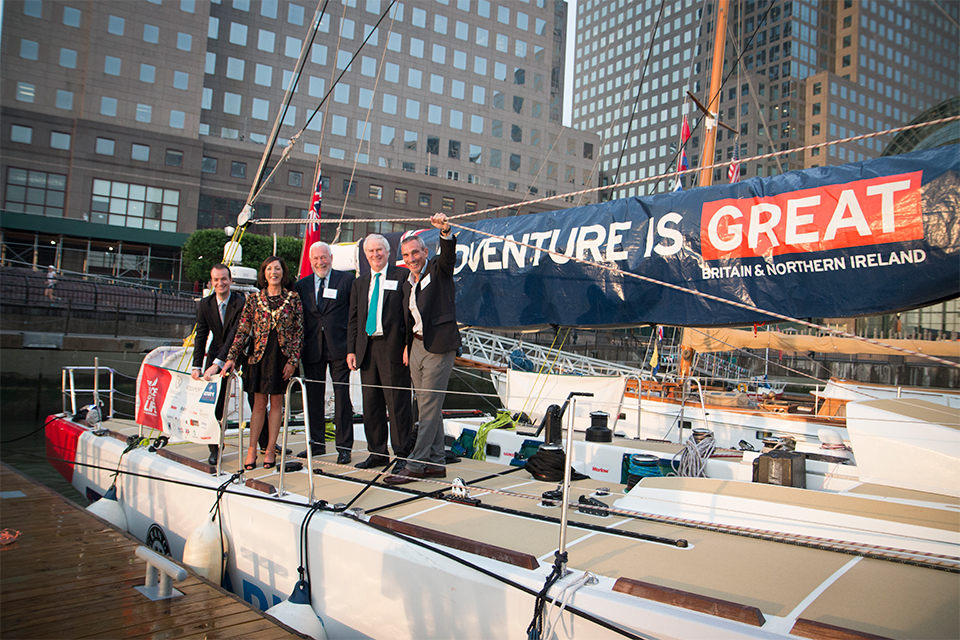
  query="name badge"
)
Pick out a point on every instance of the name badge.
point(330, 294)
point(390, 285)
point(424, 281)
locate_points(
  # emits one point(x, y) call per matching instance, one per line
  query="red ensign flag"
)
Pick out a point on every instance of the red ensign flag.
point(313, 229)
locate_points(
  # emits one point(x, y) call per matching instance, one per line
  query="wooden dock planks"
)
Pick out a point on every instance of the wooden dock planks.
point(71, 575)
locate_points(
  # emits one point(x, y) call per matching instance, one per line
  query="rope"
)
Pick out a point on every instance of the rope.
point(694, 457)
point(502, 421)
point(562, 598)
point(535, 628)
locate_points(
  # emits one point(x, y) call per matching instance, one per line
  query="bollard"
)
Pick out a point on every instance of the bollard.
point(160, 573)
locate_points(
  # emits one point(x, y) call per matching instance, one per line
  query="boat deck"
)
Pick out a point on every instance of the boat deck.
point(70, 575)
point(781, 586)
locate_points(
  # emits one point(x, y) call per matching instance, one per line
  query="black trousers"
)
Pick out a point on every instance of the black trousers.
point(342, 405)
point(386, 395)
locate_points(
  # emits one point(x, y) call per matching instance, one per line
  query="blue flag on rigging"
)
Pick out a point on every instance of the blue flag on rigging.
point(312, 233)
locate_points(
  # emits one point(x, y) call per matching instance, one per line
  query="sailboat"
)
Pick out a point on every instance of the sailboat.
point(494, 550)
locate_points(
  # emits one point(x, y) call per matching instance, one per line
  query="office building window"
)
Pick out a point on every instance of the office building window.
point(135, 206)
point(60, 141)
point(140, 152)
point(295, 179)
point(151, 33)
point(105, 146)
point(115, 25)
point(29, 49)
point(25, 92)
point(447, 204)
point(68, 58)
point(425, 199)
point(173, 158)
point(35, 192)
point(375, 192)
point(21, 134)
point(349, 187)
point(400, 196)
point(238, 169)
point(216, 213)
point(144, 113)
point(71, 16)
point(208, 165)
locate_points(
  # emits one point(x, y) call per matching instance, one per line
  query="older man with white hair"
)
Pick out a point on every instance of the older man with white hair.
point(325, 295)
point(376, 339)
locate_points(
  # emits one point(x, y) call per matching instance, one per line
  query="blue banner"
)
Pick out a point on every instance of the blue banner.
point(850, 240)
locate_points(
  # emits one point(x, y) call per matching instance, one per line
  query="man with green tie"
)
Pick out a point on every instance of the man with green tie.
point(376, 337)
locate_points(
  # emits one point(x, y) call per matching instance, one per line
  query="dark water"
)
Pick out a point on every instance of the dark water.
point(25, 406)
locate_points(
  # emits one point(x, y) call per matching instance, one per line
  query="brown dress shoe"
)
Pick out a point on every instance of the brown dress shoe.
point(404, 476)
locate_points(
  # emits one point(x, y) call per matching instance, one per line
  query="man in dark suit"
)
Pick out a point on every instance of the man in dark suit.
point(325, 295)
point(375, 342)
point(217, 316)
point(429, 296)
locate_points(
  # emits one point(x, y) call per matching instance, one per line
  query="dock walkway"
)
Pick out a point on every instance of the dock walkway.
point(71, 575)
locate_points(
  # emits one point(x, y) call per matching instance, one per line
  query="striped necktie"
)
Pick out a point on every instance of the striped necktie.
point(223, 312)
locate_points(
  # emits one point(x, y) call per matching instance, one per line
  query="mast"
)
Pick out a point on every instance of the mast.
point(716, 79)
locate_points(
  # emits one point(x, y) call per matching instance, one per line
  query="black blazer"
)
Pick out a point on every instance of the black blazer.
point(208, 323)
point(436, 302)
point(329, 314)
point(394, 331)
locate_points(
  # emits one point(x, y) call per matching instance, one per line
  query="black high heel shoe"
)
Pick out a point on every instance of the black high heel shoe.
point(250, 466)
point(269, 465)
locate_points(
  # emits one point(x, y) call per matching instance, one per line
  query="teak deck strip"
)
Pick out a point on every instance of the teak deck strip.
point(70, 575)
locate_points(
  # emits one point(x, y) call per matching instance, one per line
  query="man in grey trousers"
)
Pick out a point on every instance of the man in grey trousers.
point(432, 343)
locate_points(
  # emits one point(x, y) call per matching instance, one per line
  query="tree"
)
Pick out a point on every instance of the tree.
point(204, 248)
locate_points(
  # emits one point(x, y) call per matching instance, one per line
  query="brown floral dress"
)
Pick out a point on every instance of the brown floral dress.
point(276, 323)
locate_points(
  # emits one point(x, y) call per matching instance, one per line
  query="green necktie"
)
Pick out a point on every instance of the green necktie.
point(372, 312)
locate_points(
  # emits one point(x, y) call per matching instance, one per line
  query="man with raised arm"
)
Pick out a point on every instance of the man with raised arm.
point(429, 303)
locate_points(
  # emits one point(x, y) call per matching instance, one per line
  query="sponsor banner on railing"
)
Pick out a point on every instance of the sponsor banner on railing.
point(849, 240)
point(183, 408)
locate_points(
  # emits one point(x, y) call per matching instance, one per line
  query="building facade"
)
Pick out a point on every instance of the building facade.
point(809, 71)
point(147, 119)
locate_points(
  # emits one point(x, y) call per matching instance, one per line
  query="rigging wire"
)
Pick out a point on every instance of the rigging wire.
point(761, 22)
point(674, 174)
point(636, 99)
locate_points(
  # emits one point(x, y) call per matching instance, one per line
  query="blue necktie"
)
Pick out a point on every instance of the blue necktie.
point(372, 312)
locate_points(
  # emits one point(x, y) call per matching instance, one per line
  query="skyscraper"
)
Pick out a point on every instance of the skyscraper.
point(809, 71)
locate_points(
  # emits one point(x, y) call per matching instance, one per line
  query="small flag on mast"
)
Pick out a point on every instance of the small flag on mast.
point(734, 171)
point(683, 164)
point(313, 228)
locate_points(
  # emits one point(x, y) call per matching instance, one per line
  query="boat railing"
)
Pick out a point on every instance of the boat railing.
point(306, 430)
point(69, 388)
point(683, 403)
point(231, 383)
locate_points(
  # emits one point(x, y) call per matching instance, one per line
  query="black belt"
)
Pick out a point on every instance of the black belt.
point(418, 337)
point(375, 337)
